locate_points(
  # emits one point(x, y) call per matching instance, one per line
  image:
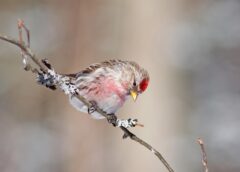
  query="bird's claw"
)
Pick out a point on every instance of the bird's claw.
point(93, 107)
point(112, 119)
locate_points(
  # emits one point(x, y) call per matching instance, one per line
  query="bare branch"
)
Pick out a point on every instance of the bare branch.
point(129, 134)
point(27, 52)
point(204, 155)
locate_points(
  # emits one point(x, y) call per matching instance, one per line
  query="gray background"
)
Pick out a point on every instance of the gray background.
point(191, 50)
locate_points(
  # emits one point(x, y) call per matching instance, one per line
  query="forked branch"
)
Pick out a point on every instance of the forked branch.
point(26, 53)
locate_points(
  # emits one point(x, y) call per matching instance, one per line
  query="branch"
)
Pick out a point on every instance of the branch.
point(204, 155)
point(43, 67)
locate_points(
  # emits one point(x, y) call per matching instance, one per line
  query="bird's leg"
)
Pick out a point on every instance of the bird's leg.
point(112, 119)
point(93, 107)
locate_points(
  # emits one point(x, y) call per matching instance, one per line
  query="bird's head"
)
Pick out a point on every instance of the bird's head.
point(139, 81)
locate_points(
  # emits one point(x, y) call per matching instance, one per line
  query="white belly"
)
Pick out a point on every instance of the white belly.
point(109, 105)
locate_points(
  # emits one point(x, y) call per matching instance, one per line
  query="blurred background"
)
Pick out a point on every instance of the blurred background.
point(190, 48)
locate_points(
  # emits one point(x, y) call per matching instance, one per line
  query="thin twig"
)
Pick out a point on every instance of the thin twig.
point(25, 49)
point(129, 134)
point(204, 155)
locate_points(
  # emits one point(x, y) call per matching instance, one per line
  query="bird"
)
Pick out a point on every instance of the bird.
point(108, 85)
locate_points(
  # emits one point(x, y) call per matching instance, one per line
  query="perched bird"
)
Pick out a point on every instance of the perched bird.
point(108, 85)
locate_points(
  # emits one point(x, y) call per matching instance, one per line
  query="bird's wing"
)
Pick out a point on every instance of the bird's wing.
point(94, 67)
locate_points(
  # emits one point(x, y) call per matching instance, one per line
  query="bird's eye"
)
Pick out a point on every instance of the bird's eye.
point(134, 83)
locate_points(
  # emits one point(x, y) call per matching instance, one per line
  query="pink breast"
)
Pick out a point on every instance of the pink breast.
point(106, 89)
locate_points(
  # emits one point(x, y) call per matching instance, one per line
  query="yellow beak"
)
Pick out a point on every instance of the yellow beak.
point(134, 94)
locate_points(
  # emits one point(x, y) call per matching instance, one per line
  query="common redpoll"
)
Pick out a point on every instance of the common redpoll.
point(106, 85)
point(109, 84)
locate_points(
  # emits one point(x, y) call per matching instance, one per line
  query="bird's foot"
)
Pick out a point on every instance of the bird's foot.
point(112, 119)
point(92, 108)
